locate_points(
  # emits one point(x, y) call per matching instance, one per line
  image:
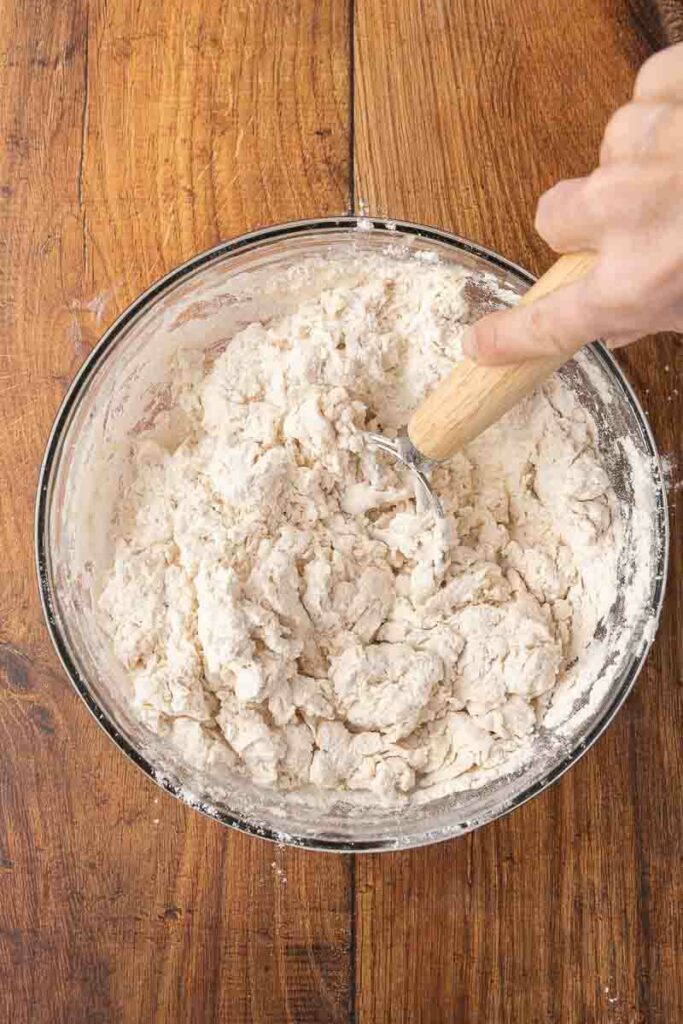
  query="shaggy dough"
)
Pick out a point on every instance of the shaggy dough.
point(280, 607)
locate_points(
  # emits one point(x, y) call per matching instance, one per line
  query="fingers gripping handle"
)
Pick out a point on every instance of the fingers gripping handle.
point(472, 397)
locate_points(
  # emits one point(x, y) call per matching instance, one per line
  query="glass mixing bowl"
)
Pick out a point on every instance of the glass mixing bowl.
point(202, 304)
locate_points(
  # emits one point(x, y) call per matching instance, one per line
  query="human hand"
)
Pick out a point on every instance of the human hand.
point(629, 211)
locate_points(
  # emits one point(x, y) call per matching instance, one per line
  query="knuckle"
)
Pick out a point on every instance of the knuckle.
point(641, 129)
point(556, 212)
point(489, 335)
point(483, 334)
point(600, 197)
point(619, 131)
point(649, 72)
point(496, 335)
point(625, 194)
point(661, 75)
point(545, 218)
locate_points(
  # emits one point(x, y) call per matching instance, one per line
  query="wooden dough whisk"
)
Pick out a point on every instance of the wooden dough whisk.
point(472, 397)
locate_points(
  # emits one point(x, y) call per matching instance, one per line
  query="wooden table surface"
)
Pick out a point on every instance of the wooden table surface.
point(134, 134)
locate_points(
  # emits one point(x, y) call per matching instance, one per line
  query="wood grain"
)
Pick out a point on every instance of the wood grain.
point(132, 138)
point(569, 910)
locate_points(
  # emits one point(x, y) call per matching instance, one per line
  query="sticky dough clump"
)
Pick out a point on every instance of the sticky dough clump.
point(279, 605)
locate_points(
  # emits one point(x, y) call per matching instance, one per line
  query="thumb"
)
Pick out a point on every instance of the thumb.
point(556, 325)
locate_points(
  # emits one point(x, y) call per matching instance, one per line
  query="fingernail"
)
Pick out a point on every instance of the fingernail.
point(469, 344)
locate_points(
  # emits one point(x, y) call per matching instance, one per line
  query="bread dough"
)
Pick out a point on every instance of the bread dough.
point(279, 605)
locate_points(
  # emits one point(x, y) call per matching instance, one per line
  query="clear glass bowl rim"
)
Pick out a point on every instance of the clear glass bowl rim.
point(282, 232)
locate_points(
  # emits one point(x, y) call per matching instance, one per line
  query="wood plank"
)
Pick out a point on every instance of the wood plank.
point(133, 137)
point(568, 910)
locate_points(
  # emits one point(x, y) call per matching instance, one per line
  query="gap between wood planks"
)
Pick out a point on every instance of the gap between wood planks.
point(352, 203)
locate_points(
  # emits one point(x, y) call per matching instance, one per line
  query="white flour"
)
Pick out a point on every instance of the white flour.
point(279, 606)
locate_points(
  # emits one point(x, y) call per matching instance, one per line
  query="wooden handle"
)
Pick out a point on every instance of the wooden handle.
point(473, 397)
